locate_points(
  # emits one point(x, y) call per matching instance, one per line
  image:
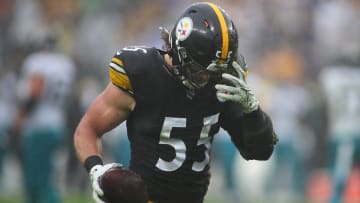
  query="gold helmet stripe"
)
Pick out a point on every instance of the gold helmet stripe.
point(224, 32)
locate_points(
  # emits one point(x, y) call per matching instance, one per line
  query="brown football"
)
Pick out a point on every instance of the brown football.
point(123, 186)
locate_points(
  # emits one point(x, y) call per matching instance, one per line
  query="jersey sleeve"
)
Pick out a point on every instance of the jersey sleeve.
point(118, 75)
point(251, 133)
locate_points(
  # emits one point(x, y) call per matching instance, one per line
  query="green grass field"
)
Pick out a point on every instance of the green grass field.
point(71, 199)
point(76, 198)
point(73, 196)
point(67, 199)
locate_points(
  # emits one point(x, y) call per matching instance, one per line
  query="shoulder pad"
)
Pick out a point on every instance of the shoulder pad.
point(117, 73)
point(135, 50)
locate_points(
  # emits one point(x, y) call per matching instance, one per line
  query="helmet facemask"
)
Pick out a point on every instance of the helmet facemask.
point(195, 76)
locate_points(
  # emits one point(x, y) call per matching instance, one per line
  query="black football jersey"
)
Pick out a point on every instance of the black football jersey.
point(170, 134)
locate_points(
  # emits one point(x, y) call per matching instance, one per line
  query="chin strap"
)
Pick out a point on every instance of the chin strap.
point(190, 89)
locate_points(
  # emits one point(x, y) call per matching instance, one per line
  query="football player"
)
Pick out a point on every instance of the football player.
point(7, 109)
point(45, 85)
point(342, 95)
point(174, 102)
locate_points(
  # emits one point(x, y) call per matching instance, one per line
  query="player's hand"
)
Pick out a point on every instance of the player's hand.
point(237, 90)
point(95, 174)
point(96, 197)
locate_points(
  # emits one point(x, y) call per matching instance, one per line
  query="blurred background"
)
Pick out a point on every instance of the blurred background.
point(303, 56)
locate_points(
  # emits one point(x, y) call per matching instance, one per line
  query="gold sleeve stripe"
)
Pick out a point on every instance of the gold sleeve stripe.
point(117, 67)
point(224, 32)
point(121, 80)
point(117, 61)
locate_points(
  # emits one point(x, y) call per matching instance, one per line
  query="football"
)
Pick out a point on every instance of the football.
point(123, 186)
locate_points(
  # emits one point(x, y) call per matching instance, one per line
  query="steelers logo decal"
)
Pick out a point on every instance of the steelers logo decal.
point(184, 28)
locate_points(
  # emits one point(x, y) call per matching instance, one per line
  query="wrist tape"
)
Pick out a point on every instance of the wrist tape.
point(92, 161)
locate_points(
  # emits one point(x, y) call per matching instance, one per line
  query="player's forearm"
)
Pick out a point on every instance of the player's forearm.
point(259, 137)
point(257, 122)
point(86, 142)
point(253, 135)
